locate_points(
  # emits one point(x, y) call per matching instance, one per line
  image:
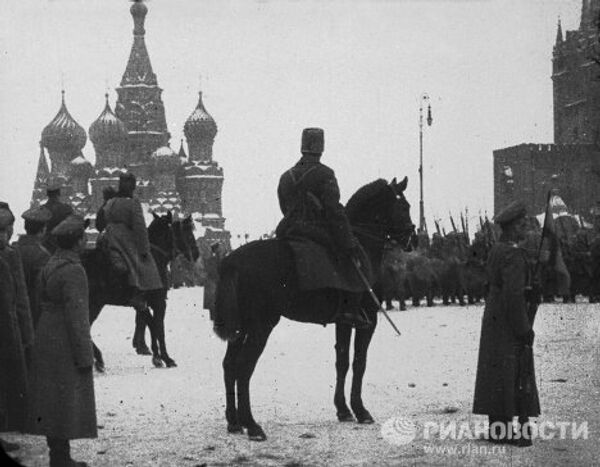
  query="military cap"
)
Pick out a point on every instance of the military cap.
point(313, 140)
point(39, 214)
point(55, 183)
point(73, 225)
point(6, 218)
point(513, 211)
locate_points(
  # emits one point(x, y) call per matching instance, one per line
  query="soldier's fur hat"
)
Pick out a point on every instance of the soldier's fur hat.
point(510, 213)
point(313, 141)
point(6, 216)
point(72, 226)
point(127, 181)
point(39, 214)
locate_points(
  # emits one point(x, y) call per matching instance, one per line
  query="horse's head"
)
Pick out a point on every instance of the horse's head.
point(380, 209)
point(160, 234)
point(185, 239)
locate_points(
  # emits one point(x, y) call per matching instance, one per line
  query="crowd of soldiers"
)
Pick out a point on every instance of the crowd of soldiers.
point(451, 266)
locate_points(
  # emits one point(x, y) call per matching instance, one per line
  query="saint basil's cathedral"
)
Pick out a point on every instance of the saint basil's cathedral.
point(134, 138)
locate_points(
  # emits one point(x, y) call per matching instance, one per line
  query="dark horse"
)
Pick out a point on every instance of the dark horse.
point(106, 289)
point(257, 285)
point(187, 252)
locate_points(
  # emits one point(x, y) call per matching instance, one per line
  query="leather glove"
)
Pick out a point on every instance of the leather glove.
point(527, 338)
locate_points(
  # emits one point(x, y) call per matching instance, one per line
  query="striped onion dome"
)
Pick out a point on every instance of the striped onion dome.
point(200, 124)
point(63, 133)
point(107, 128)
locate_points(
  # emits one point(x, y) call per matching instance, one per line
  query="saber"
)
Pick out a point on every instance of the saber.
point(373, 296)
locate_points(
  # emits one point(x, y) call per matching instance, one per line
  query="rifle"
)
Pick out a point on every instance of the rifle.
point(437, 227)
point(452, 222)
point(467, 224)
point(462, 223)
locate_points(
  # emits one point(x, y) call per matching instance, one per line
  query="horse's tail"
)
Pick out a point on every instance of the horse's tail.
point(227, 320)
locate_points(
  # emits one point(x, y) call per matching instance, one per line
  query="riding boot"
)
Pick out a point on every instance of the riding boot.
point(60, 453)
point(500, 429)
point(525, 433)
point(351, 312)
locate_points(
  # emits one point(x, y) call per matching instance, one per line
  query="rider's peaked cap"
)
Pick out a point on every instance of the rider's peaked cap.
point(313, 140)
point(512, 212)
point(72, 226)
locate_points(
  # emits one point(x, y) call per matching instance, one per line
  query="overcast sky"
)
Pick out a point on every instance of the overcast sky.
point(270, 68)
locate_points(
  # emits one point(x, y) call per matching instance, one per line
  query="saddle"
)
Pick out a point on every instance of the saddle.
point(317, 267)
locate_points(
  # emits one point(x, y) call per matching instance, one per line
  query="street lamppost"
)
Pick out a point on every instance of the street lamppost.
point(424, 99)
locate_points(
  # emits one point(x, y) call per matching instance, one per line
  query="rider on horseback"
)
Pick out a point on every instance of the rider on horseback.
point(309, 198)
point(126, 240)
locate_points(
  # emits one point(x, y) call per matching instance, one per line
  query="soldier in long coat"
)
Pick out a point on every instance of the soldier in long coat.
point(62, 405)
point(505, 384)
point(126, 237)
point(34, 255)
point(309, 198)
point(13, 371)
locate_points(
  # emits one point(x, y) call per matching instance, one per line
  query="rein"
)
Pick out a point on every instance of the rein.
point(159, 250)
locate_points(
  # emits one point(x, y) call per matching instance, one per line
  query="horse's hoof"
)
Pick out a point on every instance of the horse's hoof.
point(157, 362)
point(256, 433)
point(345, 417)
point(143, 350)
point(234, 428)
point(364, 417)
point(170, 362)
point(368, 420)
point(100, 368)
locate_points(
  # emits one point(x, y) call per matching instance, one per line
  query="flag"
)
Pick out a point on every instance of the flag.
point(551, 243)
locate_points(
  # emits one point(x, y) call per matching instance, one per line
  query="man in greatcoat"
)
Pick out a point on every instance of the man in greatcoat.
point(309, 198)
point(13, 370)
point(126, 239)
point(34, 255)
point(59, 211)
point(505, 382)
point(61, 403)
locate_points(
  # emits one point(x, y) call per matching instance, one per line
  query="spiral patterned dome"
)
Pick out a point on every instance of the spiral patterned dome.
point(164, 158)
point(107, 128)
point(63, 133)
point(200, 124)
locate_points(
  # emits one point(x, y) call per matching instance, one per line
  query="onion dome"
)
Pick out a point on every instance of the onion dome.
point(200, 125)
point(164, 158)
point(63, 133)
point(81, 167)
point(107, 128)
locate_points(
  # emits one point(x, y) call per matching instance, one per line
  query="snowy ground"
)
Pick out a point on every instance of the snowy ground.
point(172, 417)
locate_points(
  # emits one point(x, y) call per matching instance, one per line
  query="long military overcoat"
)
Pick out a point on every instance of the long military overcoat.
point(61, 402)
point(13, 373)
point(34, 257)
point(13, 258)
point(127, 234)
point(504, 318)
point(316, 224)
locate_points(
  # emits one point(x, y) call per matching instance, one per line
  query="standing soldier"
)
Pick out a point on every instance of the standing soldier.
point(309, 198)
point(33, 254)
point(62, 405)
point(505, 383)
point(13, 371)
point(59, 211)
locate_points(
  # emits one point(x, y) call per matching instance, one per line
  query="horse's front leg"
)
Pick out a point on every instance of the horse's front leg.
point(139, 335)
point(362, 339)
point(159, 308)
point(343, 333)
